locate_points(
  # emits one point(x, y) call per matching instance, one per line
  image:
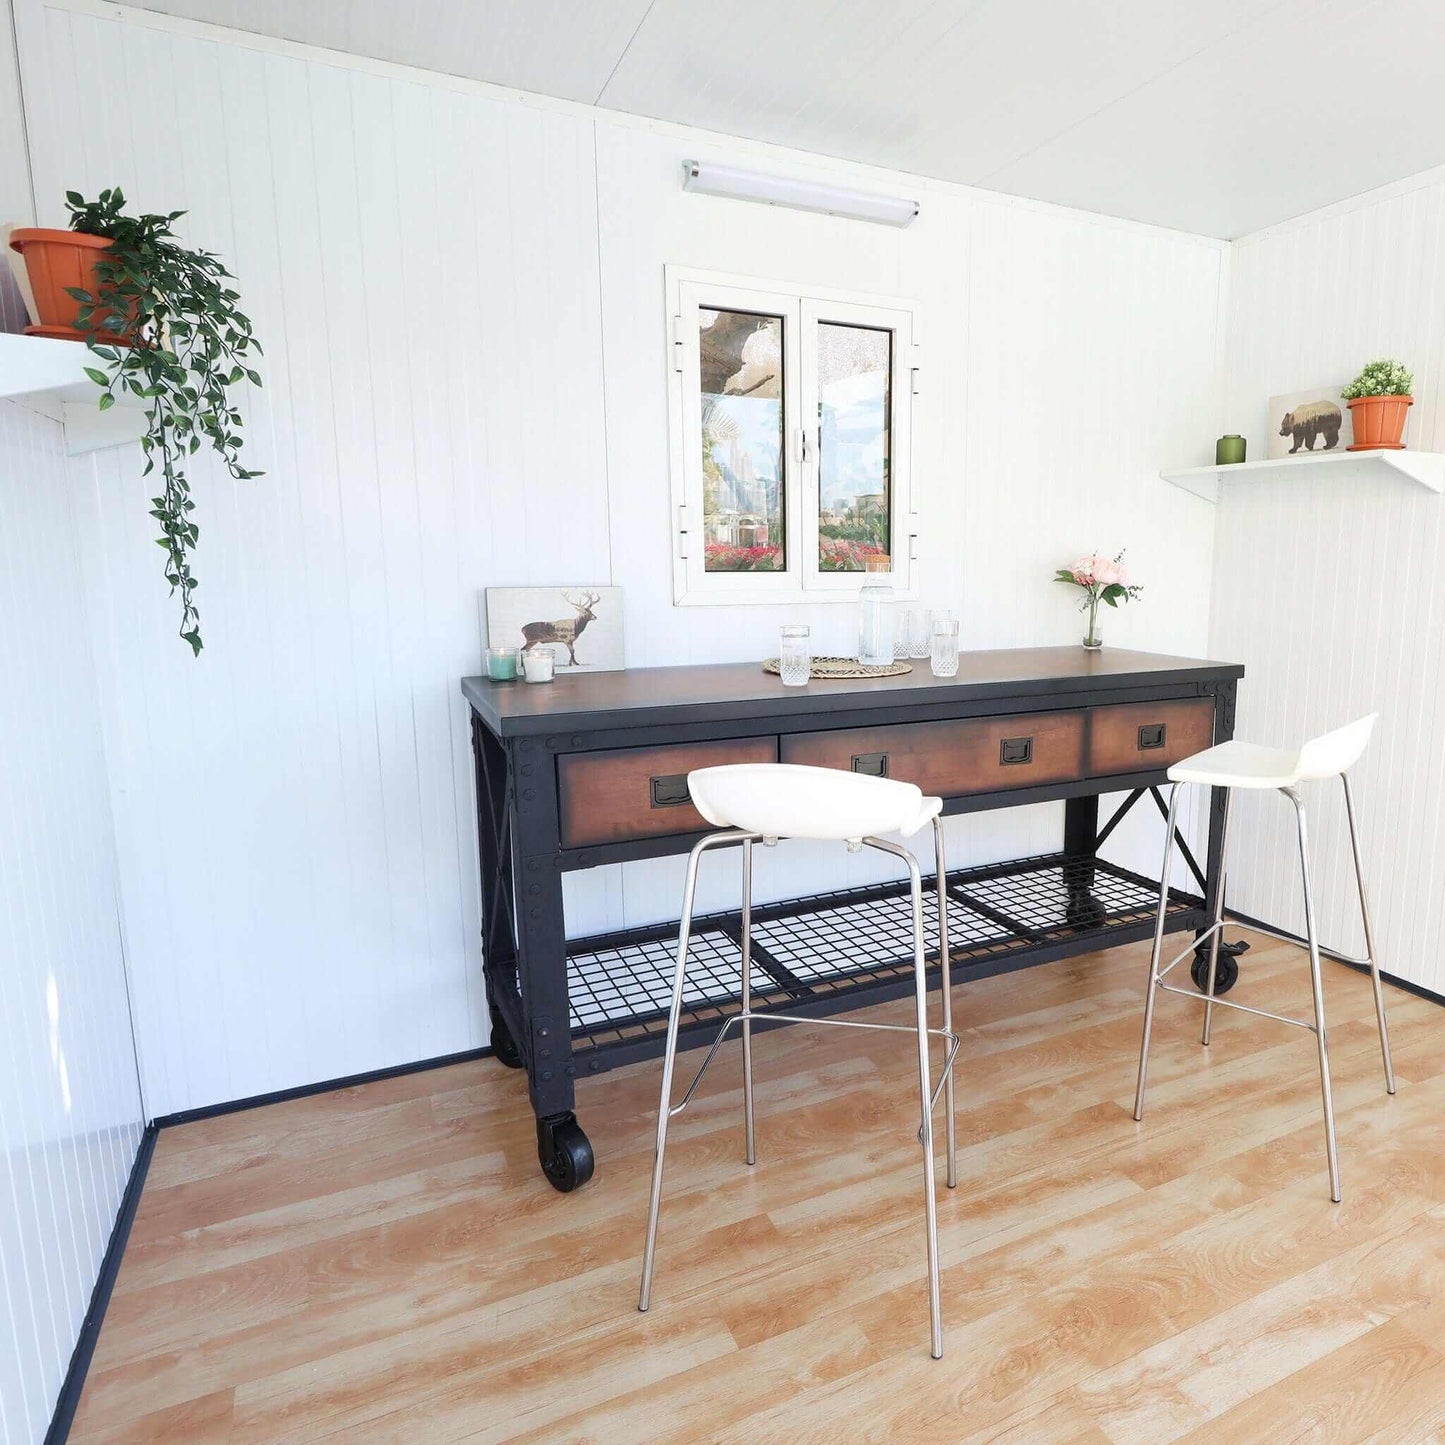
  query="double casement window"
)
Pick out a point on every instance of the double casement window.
point(791, 432)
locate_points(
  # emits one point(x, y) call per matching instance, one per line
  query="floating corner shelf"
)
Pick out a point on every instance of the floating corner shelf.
point(48, 376)
point(1427, 469)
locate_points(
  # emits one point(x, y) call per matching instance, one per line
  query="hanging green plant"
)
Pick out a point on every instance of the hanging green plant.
point(168, 331)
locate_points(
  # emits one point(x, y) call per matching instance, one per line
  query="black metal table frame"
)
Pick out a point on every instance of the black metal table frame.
point(526, 951)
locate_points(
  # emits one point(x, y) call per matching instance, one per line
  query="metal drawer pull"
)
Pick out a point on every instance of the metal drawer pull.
point(1151, 735)
point(670, 791)
point(873, 765)
point(1016, 750)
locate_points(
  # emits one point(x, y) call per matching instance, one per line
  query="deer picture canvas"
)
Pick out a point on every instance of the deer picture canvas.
point(582, 625)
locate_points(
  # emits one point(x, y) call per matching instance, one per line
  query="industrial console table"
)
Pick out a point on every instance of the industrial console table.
point(593, 769)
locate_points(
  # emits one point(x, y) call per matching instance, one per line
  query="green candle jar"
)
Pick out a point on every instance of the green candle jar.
point(1229, 451)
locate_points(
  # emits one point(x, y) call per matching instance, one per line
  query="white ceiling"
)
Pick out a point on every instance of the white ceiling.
point(1213, 116)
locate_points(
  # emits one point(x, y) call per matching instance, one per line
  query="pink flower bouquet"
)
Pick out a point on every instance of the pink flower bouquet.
point(1102, 579)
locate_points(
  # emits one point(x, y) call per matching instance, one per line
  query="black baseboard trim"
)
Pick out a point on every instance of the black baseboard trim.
point(74, 1382)
point(325, 1086)
point(1419, 990)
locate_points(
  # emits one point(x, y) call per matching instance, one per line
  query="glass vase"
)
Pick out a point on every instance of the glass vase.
point(1093, 640)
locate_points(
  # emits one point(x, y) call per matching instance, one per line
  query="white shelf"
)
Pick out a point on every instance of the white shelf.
point(1425, 468)
point(48, 376)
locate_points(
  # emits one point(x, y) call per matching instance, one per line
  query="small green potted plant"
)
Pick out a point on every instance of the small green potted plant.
point(1101, 579)
point(167, 330)
point(1379, 399)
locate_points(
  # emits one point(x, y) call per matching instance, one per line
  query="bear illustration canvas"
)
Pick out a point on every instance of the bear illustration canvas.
point(1304, 422)
point(582, 625)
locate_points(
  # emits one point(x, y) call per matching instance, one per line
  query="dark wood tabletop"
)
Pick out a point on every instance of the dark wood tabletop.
point(652, 695)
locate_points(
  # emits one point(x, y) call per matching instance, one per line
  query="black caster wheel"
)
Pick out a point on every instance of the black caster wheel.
point(1226, 970)
point(1085, 911)
point(504, 1046)
point(564, 1152)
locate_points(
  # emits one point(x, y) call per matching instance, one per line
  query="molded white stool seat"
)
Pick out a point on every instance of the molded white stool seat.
point(763, 802)
point(786, 800)
point(1238, 764)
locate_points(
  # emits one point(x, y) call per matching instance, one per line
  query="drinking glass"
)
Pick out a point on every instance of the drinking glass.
point(920, 632)
point(944, 661)
point(795, 663)
point(902, 627)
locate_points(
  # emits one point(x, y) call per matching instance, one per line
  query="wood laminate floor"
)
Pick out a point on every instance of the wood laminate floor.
point(385, 1262)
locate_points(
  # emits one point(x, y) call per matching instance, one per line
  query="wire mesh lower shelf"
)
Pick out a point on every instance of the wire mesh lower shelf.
point(820, 953)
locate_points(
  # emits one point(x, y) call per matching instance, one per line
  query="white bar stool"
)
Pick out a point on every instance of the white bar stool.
point(762, 802)
point(1238, 764)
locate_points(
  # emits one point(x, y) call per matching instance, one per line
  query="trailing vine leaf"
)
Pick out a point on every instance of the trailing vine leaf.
point(168, 329)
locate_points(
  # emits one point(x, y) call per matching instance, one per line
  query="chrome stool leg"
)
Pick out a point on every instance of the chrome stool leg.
point(925, 1088)
point(1319, 997)
point(1157, 951)
point(746, 935)
point(1218, 921)
point(925, 1094)
point(1369, 938)
point(664, 1108)
point(945, 985)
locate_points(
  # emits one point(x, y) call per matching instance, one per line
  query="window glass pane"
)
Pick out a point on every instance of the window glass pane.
point(742, 441)
point(854, 434)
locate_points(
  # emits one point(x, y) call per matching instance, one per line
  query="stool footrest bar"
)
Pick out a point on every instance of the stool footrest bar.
point(1229, 1003)
point(771, 1017)
point(1199, 938)
point(1299, 942)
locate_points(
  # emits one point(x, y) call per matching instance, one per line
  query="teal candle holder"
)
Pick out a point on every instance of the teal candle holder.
point(504, 664)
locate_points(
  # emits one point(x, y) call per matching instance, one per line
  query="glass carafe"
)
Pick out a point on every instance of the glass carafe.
point(875, 614)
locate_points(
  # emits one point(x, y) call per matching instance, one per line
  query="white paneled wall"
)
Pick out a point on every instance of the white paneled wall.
point(70, 1108)
point(1332, 592)
point(15, 206)
point(461, 297)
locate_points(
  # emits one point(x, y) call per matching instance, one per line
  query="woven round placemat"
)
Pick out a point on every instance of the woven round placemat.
point(827, 669)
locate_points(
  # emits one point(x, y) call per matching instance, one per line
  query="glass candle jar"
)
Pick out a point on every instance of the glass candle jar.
point(503, 663)
point(944, 654)
point(539, 664)
point(795, 662)
point(1229, 450)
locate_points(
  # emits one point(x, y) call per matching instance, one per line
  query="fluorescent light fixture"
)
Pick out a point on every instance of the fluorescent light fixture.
point(739, 185)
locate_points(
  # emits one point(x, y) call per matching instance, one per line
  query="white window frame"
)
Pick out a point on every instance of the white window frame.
point(802, 307)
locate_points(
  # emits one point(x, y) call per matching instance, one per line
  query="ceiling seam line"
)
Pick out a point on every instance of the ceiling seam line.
point(1119, 99)
point(617, 64)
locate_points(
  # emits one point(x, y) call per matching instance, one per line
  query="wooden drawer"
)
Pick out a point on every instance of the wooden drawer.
point(1145, 736)
point(947, 759)
point(609, 797)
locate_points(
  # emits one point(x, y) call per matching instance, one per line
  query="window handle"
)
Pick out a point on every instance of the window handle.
point(803, 445)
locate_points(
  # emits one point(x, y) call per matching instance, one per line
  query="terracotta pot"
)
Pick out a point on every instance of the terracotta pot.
point(55, 260)
point(1379, 422)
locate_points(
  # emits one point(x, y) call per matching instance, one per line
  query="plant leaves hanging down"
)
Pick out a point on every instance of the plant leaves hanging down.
point(187, 345)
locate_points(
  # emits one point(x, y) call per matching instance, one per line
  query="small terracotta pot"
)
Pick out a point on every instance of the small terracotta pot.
point(55, 260)
point(1379, 422)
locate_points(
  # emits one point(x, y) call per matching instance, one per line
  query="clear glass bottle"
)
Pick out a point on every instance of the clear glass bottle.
point(875, 614)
